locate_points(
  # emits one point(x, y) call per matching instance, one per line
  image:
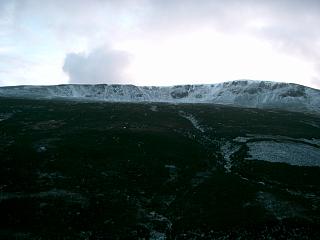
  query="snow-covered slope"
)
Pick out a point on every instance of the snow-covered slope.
point(247, 93)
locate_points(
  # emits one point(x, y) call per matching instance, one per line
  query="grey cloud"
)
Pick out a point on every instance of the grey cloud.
point(233, 15)
point(92, 20)
point(102, 65)
point(86, 17)
point(292, 24)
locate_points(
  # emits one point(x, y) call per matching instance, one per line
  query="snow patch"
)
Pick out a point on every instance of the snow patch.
point(154, 108)
point(159, 225)
point(285, 152)
point(228, 150)
point(313, 141)
point(193, 120)
point(5, 116)
point(53, 193)
point(154, 235)
point(279, 208)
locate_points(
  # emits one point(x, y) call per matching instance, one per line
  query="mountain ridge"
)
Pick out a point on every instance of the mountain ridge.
point(241, 93)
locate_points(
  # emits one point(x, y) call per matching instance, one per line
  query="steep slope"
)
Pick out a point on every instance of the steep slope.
point(246, 93)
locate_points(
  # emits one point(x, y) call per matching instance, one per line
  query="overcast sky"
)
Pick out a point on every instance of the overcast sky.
point(159, 42)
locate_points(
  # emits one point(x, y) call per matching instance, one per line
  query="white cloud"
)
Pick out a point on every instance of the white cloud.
point(207, 56)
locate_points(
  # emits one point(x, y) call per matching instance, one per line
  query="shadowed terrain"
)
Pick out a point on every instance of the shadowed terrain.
point(95, 170)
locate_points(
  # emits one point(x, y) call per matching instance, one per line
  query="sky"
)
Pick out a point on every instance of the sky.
point(159, 42)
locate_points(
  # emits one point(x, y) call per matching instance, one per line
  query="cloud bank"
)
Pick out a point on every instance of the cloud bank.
point(101, 65)
point(52, 32)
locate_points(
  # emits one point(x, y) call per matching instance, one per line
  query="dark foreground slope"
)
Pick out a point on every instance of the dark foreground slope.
point(75, 170)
